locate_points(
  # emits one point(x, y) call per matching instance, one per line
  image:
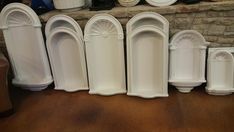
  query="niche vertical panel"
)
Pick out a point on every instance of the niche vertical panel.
point(187, 60)
point(220, 73)
point(147, 55)
point(105, 55)
point(67, 59)
point(25, 45)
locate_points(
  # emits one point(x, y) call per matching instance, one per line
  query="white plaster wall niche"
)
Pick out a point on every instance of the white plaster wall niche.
point(128, 3)
point(105, 55)
point(25, 45)
point(220, 73)
point(63, 21)
point(147, 55)
point(68, 5)
point(161, 2)
point(67, 57)
point(187, 60)
point(148, 18)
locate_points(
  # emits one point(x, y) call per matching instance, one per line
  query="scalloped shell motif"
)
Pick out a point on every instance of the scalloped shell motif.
point(103, 28)
point(18, 19)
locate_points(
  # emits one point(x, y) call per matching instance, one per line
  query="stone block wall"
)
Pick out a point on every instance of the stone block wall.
point(215, 20)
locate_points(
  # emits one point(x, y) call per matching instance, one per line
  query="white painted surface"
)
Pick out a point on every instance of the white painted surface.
point(105, 55)
point(67, 59)
point(187, 60)
point(25, 45)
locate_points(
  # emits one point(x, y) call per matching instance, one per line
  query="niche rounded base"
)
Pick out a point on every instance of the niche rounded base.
point(219, 92)
point(108, 92)
point(186, 87)
point(147, 96)
point(32, 87)
point(72, 90)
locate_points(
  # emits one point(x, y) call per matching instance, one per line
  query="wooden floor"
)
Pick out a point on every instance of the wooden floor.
point(58, 111)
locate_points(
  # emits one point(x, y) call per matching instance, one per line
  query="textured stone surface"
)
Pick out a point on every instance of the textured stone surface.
point(179, 9)
point(216, 30)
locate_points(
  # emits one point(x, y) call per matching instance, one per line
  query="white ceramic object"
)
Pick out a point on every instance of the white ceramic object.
point(161, 2)
point(67, 57)
point(220, 73)
point(105, 55)
point(128, 3)
point(25, 45)
point(147, 55)
point(187, 60)
point(63, 21)
point(148, 18)
point(69, 4)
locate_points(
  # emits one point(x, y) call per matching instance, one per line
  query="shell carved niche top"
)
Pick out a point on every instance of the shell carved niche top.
point(103, 25)
point(104, 28)
point(188, 36)
point(18, 18)
point(18, 15)
point(222, 56)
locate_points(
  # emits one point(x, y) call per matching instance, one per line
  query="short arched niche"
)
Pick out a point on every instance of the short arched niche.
point(25, 45)
point(105, 55)
point(187, 60)
point(220, 73)
point(147, 55)
point(62, 21)
point(67, 57)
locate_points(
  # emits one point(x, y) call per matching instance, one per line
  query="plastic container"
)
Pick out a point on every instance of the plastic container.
point(128, 3)
point(67, 58)
point(105, 55)
point(220, 72)
point(69, 4)
point(187, 60)
point(161, 2)
point(147, 55)
point(25, 45)
point(6, 107)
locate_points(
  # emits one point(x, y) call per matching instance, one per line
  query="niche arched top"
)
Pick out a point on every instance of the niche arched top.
point(188, 35)
point(17, 14)
point(152, 29)
point(103, 24)
point(62, 21)
point(221, 55)
point(148, 18)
